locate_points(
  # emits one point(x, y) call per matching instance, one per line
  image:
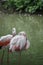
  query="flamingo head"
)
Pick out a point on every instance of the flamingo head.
point(22, 33)
point(13, 31)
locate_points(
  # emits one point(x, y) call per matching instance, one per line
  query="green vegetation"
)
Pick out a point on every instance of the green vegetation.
point(33, 25)
point(30, 6)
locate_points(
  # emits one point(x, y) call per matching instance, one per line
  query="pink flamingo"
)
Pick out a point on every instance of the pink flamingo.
point(19, 43)
point(4, 42)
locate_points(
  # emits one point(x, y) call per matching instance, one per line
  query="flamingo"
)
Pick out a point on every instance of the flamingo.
point(28, 42)
point(19, 43)
point(5, 40)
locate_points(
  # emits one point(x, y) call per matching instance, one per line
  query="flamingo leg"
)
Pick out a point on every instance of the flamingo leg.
point(8, 57)
point(2, 56)
point(19, 61)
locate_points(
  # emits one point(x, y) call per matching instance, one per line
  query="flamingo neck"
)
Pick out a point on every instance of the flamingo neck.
point(13, 35)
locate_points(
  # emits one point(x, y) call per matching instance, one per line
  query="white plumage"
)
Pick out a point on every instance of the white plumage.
point(6, 37)
point(19, 42)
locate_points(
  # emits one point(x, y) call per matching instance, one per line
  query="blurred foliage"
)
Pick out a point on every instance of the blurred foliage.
point(22, 5)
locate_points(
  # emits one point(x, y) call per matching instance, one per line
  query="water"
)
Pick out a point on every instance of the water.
point(33, 26)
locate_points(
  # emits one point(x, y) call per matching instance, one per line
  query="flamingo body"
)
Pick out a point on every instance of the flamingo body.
point(17, 43)
point(5, 40)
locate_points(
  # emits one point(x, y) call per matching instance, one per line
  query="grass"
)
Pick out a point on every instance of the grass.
point(33, 26)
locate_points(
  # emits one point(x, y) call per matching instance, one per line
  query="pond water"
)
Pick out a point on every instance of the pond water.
point(33, 26)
